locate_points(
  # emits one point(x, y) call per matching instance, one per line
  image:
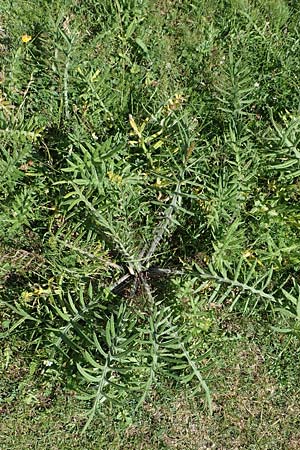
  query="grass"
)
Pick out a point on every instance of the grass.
point(149, 224)
point(254, 386)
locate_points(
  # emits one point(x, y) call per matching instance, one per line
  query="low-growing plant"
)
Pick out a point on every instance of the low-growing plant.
point(135, 203)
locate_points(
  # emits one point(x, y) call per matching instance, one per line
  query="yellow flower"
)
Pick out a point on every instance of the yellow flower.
point(174, 103)
point(114, 178)
point(26, 38)
point(26, 296)
point(248, 254)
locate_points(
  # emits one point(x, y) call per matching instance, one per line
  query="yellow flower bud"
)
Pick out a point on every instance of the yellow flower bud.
point(26, 38)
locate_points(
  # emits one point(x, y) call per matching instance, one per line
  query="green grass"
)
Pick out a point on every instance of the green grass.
point(255, 391)
point(149, 223)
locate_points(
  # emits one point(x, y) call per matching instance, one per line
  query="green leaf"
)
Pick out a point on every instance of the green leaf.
point(88, 377)
point(107, 334)
point(142, 45)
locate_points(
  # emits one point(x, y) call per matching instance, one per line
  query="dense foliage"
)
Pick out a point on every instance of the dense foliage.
point(149, 175)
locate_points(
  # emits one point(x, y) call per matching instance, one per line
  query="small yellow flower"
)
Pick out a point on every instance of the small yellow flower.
point(248, 254)
point(26, 38)
point(114, 178)
point(174, 103)
point(26, 296)
point(39, 291)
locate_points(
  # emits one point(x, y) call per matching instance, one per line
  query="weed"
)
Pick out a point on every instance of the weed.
point(149, 178)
